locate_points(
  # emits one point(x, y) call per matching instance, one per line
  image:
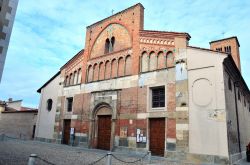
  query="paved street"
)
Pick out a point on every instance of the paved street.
point(14, 152)
point(17, 152)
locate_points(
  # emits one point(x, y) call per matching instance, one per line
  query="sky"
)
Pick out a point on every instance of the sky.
point(47, 33)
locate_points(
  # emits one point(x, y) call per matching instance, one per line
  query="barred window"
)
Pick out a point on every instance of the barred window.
point(158, 97)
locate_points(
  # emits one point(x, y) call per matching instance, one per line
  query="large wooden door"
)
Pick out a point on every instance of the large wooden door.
point(104, 132)
point(157, 136)
point(66, 132)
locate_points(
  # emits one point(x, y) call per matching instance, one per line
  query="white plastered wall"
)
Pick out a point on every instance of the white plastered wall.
point(207, 115)
point(46, 119)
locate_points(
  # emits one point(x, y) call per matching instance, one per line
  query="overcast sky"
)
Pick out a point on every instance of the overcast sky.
point(47, 33)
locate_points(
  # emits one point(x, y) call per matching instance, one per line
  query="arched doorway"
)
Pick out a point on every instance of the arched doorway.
point(102, 129)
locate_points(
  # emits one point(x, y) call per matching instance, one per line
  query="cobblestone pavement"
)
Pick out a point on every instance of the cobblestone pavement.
point(17, 152)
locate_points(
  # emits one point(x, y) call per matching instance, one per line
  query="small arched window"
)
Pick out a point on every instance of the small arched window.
point(49, 104)
point(112, 44)
point(229, 84)
point(107, 44)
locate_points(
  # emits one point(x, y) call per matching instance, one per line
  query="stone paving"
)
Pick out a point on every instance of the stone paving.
point(17, 152)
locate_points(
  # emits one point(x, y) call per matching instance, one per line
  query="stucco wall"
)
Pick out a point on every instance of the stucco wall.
point(46, 119)
point(18, 124)
point(207, 132)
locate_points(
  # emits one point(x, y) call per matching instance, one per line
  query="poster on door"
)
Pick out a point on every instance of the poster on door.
point(141, 136)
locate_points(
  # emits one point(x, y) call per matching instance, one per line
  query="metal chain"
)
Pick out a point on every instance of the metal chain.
point(140, 159)
point(45, 161)
point(98, 160)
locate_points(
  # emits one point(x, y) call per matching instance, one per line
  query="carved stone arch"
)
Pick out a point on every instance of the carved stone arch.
point(101, 108)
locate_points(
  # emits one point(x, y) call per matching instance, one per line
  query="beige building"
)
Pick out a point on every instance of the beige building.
point(17, 121)
point(132, 89)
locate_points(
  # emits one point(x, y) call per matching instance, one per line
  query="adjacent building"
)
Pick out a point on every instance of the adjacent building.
point(17, 121)
point(7, 16)
point(136, 90)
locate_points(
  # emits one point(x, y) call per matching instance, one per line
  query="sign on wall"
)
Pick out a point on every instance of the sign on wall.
point(141, 136)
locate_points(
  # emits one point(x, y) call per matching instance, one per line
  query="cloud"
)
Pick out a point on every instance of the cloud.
point(48, 33)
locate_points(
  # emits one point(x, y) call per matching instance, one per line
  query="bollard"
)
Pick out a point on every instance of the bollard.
point(32, 159)
point(149, 157)
point(109, 159)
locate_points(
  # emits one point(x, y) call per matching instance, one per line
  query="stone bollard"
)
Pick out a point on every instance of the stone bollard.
point(32, 159)
point(109, 159)
point(149, 157)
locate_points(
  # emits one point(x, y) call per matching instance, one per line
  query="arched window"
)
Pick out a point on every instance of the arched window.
point(112, 44)
point(229, 84)
point(49, 104)
point(107, 43)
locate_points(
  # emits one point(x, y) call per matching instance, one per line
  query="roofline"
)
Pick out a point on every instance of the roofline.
point(72, 59)
point(116, 14)
point(206, 49)
point(182, 33)
point(27, 111)
point(238, 72)
point(52, 78)
point(226, 39)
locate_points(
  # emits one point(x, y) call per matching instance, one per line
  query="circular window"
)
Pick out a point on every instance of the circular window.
point(49, 104)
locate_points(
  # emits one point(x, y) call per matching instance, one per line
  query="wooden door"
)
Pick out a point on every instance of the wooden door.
point(157, 136)
point(66, 132)
point(104, 132)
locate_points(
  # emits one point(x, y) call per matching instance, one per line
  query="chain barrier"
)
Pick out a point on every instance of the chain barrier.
point(98, 160)
point(45, 161)
point(140, 159)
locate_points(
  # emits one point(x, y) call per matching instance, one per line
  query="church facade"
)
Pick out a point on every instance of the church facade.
point(140, 90)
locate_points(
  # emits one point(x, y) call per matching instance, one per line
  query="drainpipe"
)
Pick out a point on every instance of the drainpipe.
point(237, 115)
